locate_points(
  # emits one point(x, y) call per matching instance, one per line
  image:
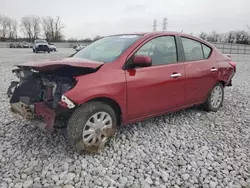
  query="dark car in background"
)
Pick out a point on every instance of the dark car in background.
point(25, 45)
point(41, 45)
point(18, 45)
point(12, 45)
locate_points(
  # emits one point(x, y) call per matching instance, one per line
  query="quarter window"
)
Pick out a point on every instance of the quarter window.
point(192, 49)
point(206, 50)
point(162, 50)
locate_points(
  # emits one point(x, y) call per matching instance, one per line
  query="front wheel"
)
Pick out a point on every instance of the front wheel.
point(91, 126)
point(215, 98)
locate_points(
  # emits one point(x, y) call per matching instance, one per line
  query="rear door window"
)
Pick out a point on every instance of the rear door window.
point(192, 49)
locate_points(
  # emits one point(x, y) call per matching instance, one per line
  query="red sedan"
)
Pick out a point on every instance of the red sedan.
point(121, 79)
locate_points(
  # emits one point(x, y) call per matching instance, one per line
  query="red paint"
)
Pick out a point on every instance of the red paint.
point(199, 79)
point(47, 113)
point(57, 63)
point(142, 61)
point(148, 91)
point(151, 90)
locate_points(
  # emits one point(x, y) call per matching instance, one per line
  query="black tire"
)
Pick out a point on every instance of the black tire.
point(36, 50)
point(77, 121)
point(208, 105)
point(33, 51)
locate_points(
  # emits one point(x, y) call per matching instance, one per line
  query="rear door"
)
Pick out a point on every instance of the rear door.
point(160, 87)
point(201, 70)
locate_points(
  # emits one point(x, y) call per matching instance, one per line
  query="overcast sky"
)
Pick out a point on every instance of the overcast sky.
point(88, 18)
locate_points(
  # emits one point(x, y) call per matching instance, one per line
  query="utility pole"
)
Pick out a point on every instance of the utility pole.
point(164, 24)
point(154, 25)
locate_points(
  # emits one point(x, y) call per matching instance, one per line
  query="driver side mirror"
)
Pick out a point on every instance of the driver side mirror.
point(142, 61)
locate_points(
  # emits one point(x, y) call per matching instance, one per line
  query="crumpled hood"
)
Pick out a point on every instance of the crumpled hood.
point(53, 64)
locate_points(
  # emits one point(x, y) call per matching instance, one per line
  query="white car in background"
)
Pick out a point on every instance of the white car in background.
point(79, 47)
point(52, 47)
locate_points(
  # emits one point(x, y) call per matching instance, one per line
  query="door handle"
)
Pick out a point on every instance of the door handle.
point(213, 69)
point(175, 75)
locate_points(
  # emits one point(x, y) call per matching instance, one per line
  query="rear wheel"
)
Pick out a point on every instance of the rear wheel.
point(215, 98)
point(91, 126)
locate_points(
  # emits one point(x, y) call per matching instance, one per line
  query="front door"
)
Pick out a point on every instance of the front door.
point(159, 88)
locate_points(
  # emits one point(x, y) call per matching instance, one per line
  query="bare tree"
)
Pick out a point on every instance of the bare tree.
point(86, 40)
point(48, 30)
point(58, 29)
point(26, 27)
point(242, 37)
point(230, 37)
point(203, 35)
point(97, 38)
point(213, 37)
point(52, 28)
point(30, 25)
point(221, 37)
point(35, 23)
point(4, 27)
point(12, 27)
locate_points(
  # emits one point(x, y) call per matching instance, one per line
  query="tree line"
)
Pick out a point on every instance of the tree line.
point(236, 36)
point(32, 27)
point(51, 29)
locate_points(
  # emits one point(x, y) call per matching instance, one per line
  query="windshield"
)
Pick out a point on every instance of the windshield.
point(40, 41)
point(107, 49)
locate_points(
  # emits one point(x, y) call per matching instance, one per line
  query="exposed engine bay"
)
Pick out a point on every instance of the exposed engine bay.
point(39, 94)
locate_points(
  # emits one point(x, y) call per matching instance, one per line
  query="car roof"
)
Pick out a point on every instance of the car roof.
point(151, 33)
point(158, 33)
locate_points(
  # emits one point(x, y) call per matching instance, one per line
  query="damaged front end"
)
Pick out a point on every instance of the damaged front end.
point(38, 95)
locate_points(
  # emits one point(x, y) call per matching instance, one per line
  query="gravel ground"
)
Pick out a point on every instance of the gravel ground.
point(191, 148)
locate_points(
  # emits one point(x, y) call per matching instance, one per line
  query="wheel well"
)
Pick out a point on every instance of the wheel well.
point(222, 82)
point(113, 105)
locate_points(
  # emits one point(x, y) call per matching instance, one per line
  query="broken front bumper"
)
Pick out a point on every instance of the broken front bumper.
point(36, 112)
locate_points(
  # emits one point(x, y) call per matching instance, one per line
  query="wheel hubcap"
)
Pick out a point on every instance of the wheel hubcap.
point(216, 97)
point(96, 128)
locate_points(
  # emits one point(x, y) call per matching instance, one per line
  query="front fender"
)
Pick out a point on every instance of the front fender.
point(99, 85)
